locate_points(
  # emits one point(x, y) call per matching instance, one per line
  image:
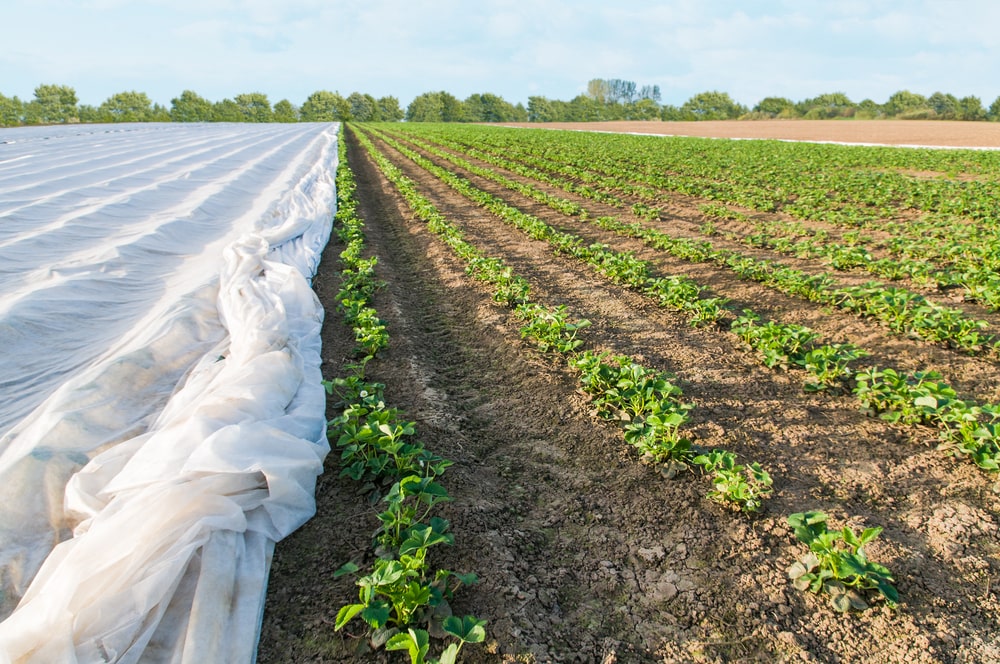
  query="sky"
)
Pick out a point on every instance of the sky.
point(288, 49)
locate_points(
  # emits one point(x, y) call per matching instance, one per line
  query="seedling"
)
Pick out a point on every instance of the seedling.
point(837, 565)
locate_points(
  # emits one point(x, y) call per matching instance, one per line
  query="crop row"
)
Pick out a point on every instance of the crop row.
point(900, 310)
point(649, 402)
point(777, 344)
point(646, 400)
point(400, 590)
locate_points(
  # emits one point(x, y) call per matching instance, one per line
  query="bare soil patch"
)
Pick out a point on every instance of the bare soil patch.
point(940, 133)
point(585, 554)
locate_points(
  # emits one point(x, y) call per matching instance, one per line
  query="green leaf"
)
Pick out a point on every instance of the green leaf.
point(450, 654)
point(346, 568)
point(346, 613)
point(415, 642)
point(376, 614)
point(468, 629)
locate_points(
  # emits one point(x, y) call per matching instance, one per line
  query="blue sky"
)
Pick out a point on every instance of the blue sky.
point(290, 48)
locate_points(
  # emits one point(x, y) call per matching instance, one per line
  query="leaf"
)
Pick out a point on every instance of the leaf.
point(803, 582)
point(870, 534)
point(797, 570)
point(841, 603)
point(857, 602)
point(346, 568)
point(467, 629)
point(450, 654)
point(346, 613)
point(415, 641)
point(926, 401)
point(376, 614)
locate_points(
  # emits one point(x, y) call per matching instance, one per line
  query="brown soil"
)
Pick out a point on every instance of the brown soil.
point(586, 555)
point(883, 132)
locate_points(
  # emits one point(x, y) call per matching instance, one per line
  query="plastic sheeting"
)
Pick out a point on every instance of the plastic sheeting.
point(161, 407)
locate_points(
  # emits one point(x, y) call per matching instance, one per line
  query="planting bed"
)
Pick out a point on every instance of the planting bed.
point(585, 553)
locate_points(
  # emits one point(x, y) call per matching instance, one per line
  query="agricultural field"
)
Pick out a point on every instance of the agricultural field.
point(702, 400)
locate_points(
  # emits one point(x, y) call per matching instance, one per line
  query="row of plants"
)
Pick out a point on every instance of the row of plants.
point(649, 404)
point(949, 240)
point(901, 310)
point(939, 247)
point(645, 401)
point(965, 428)
point(967, 263)
point(855, 186)
point(940, 250)
point(964, 258)
point(778, 345)
point(400, 590)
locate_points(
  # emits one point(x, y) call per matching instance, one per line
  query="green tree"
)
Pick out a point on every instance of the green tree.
point(452, 108)
point(436, 107)
point(993, 114)
point(598, 90)
point(824, 106)
point(52, 103)
point(226, 110)
point(945, 106)
point(671, 113)
point(906, 103)
point(713, 105)
point(488, 107)
point(868, 110)
point(971, 108)
point(159, 113)
point(425, 107)
point(389, 109)
point(643, 109)
point(130, 106)
point(364, 107)
point(541, 109)
point(90, 114)
point(190, 107)
point(284, 111)
point(254, 107)
point(583, 108)
point(775, 106)
point(11, 111)
point(325, 106)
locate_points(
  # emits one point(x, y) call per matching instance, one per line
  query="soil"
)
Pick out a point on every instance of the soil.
point(585, 554)
point(939, 133)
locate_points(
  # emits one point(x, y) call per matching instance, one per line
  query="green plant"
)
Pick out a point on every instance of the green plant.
point(837, 564)
point(416, 642)
point(549, 328)
point(745, 487)
point(829, 364)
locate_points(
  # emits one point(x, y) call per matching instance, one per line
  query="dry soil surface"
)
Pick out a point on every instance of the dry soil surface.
point(879, 132)
point(585, 554)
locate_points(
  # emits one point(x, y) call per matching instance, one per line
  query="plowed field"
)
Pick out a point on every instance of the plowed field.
point(586, 554)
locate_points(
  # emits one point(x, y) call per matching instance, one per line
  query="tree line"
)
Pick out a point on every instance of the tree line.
point(54, 104)
point(604, 99)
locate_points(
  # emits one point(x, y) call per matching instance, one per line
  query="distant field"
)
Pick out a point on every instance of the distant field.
point(888, 132)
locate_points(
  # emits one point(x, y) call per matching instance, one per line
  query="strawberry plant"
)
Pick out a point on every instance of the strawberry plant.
point(829, 365)
point(745, 487)
point(837, 565)
point(377, 445)
point(549, 328)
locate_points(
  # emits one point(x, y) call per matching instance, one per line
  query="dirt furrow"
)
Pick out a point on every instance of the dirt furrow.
point(584, 554)
point(972, 376)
